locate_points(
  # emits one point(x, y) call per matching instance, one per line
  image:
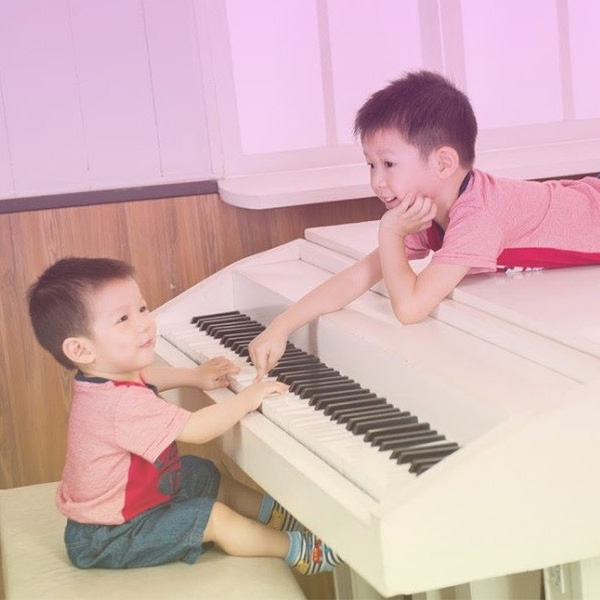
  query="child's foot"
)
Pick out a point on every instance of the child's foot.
point(309, 555)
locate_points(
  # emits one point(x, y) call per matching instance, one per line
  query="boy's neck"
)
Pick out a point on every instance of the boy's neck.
point(448, 196)
point(134, 376)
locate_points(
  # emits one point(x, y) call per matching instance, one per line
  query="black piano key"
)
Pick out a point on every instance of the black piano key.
point(203, 323)
point(335, 408)
point(339, 382)
point(406, 441)
point(238, 331)
point(240, 346)
point(318, 372)
point(294, 366)
point(292, 363)
point(397, 453)
point(389, 427)
point(420, 466)
point(434, 451)
point(343, 415)
point(228, 342)
point(360, 415)
point(219, 329)
point(400, 435)
point(291, 350)
point(230, 313)
point(343, 397)
point(232, 338)
point(223, 332)
point(338, 396)
point(297, 384)
point(412, 428)
point(360, 425)
point(349, 385)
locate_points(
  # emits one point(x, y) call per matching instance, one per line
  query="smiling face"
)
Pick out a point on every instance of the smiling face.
point(123, 332)
point(397, 168)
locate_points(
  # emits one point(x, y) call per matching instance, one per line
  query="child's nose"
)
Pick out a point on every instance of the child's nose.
point(377, 180)
point(146, 321)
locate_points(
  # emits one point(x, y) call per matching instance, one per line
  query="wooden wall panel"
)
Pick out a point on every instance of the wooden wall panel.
point(173, 243)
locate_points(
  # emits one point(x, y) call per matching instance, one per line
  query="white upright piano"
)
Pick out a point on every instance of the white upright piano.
point(508, 368)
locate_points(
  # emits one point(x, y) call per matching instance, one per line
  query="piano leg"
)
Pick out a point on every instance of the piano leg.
point(573, 581)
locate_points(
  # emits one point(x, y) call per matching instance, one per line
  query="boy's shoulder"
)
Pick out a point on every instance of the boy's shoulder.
point(89, 387)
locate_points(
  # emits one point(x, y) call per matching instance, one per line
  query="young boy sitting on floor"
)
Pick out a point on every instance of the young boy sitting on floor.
point(131, 500)
point(418, 136)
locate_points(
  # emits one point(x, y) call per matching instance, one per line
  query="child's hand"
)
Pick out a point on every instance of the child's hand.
point(257, 392)
point(415, 212)
point(214, 373)
point(265, 350)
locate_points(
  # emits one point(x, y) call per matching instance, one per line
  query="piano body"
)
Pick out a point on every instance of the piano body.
point(508, 367)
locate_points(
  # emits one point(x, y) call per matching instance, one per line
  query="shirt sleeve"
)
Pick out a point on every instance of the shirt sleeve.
point(146, 424)
point(474, 239)
point(416, 245)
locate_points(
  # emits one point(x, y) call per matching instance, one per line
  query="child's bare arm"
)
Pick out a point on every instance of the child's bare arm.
point(412, 296)
point(207, 376)
point(209, 423)
point(266, 349)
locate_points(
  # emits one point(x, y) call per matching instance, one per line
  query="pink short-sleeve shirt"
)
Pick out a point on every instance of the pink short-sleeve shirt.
point(122, 458)
point(500, 223)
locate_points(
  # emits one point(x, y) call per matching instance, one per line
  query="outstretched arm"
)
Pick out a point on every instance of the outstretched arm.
point(209, 423)
point(412, 296)
point(344, 287)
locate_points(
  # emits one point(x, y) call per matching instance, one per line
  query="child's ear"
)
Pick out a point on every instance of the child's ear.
point(446, 161)
point(78, 350)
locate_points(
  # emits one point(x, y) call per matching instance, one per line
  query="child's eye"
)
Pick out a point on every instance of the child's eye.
point(388, 164)
point(143, 309)
point(370, 165)
point(122, 318)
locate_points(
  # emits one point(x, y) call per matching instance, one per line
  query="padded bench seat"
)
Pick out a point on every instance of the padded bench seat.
point(35, 564)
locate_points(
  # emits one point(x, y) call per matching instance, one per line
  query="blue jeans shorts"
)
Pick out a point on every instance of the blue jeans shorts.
point(167, 533)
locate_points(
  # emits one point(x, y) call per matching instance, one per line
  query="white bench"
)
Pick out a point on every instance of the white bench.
point(35, 564)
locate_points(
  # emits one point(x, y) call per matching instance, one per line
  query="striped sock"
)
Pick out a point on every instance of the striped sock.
point(273, 515)
point(308, 555)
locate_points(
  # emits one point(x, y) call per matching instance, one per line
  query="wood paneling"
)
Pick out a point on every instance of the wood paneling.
point(173, 243)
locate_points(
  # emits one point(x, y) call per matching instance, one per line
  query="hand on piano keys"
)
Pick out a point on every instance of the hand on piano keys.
point(214, 373)
point(367, 438)
point(266, 349)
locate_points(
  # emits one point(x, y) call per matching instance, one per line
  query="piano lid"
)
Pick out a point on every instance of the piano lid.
point(560, 304)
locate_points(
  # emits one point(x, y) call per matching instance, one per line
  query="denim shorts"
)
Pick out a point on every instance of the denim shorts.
point(167, 533)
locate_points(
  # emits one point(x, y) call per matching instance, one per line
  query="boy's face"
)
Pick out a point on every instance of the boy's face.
point(123, 332)
point(397, 168)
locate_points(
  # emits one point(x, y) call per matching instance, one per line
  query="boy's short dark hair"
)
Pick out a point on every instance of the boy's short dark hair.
point(58, 300)
point(427, 110)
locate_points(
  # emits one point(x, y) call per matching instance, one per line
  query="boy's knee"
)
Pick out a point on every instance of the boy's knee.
point(220, 515)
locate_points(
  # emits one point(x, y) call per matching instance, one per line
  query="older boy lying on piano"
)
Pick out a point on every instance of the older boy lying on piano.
point(418, 136)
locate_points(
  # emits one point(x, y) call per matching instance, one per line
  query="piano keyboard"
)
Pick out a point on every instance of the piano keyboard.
point(363, 436)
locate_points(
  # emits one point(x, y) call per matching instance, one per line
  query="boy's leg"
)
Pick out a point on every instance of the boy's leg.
point(255, 505)
point(239, 497)
point(240, 536)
